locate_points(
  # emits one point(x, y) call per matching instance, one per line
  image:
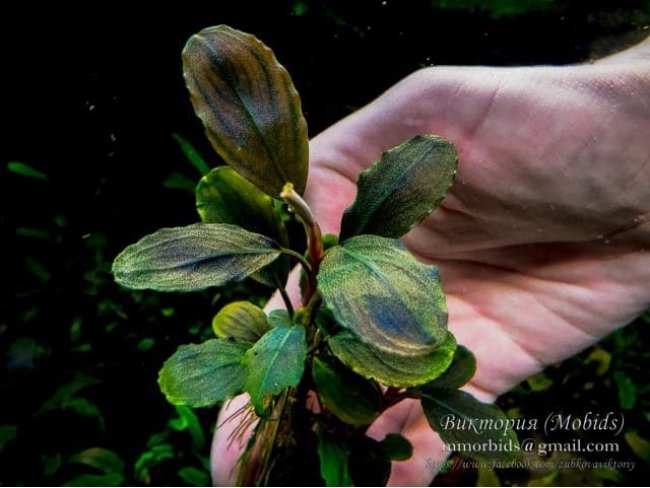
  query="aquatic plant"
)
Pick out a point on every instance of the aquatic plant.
point(371, 329)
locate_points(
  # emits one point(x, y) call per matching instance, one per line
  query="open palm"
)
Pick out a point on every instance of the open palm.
point(542, 241)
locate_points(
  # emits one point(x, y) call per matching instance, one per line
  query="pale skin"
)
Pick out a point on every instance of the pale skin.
point(544, 239)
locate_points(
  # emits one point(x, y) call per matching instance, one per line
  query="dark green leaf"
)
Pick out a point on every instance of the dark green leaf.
point(397, 447)
point(101, 459)
point(192, 154)
point(466, 424)
point(333, 462)
point(378, 290)
point(460, 371)
point(275, 362)
point(391, 369)
point(194, 476)
point(51, 463)
point(200, 375)
point(26, 170)
point(242, 321)
point(347, 395)
point(401, 189)
point(85, 408)
point(249, 107)
point(68, 391)
point(224, 197)
point(193, 257)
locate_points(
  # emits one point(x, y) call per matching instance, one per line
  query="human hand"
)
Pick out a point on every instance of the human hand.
point(543, 241)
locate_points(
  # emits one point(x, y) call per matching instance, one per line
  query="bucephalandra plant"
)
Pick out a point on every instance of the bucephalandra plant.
point(371, 330)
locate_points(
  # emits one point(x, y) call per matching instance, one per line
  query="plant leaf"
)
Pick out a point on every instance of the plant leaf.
point(391, 369)
point(194, 476)
point(193, 257)
point(242, 321)
point(249, 107)
point(279, 317)
point(104, 460)
point(459, 418)
point(333, 461)
point(26, 170)
point(200, 375)
point(397, 447)
point(275, 362)
point(350, 397)
point(401, 189)
point(192, 154)
point(627, 393)
point(460, 371)
point(188, 420)
point(111, 479)
point(378, 290)
point(224, 197)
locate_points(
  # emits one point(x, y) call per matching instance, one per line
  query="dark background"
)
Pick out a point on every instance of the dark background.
point(91, 97)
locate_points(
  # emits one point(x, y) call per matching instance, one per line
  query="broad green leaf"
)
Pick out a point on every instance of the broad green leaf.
point(275, 362)
point(397, 447)
point(242, 321)
point(224, 197)
point(391, 369)
point(26, 170)
point(350, 397)
point(249, 107)
point(104, 460)
point(461, 421)
point(193, 257)
point(460, 371)
point(333, 459)
point(192, 154)
point(278, 318)
point(378, 290)
point(401, 189)
point(200, 375)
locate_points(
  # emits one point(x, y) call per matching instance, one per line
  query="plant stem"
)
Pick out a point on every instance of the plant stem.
point(290, 252)
point(255, 461)
point(313, 232)
point(286, 300)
